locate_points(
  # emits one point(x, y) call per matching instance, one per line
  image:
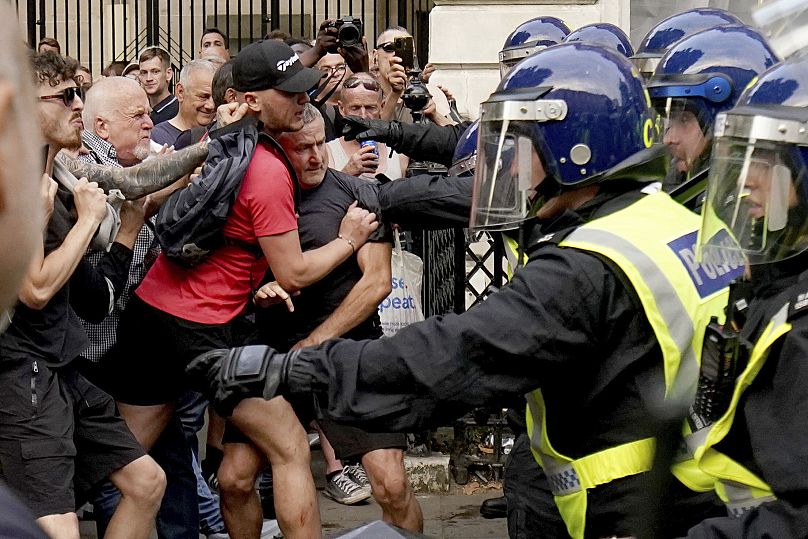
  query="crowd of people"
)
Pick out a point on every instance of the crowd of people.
point(214, 247)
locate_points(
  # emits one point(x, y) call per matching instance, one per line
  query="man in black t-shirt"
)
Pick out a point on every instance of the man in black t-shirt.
point(342, 304)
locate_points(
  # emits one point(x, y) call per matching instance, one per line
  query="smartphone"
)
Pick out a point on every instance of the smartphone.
point(405, 50)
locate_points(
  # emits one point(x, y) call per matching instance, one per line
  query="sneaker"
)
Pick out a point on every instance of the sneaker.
point(357, 474)
point(342, 489)
point(270, 529)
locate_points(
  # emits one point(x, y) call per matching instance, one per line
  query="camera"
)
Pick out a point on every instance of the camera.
point(416, 96)
point(349, 31)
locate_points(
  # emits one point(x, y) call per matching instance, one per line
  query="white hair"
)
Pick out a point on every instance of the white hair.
point(196, 65)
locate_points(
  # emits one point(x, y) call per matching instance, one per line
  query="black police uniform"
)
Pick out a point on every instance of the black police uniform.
point(769, 435)
point(569, 323)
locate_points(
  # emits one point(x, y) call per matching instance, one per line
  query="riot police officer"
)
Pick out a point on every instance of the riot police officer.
point(675, 28)
point(599, 325)
point(754, 439)
point(694, 81)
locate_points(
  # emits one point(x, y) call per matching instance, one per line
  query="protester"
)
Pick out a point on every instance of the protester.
point(195, 103)
point(214, 41)
point(361, 96)
point(48, 44)
point(156, 75)
point(76, 438)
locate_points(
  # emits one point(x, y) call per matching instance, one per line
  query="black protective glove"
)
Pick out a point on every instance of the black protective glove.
point(360, 129)
point(228, 376)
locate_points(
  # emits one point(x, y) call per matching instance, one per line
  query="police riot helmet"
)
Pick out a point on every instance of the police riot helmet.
point(568, 116)
point(529, 37)
point(465, 155)
point(676, 27)
point(700, 76)
point(604, 34)
point(757, 193)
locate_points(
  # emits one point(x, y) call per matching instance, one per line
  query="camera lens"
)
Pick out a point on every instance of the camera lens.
point(349, 34)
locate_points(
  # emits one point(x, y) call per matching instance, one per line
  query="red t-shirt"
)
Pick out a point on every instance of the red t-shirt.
point(217, 290)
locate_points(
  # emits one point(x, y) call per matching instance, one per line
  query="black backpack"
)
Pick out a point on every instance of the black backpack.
point(190, 224)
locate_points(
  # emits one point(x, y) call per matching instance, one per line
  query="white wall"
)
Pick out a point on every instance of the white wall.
point(465, 37)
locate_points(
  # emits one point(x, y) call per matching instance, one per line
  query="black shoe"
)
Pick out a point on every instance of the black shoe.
point(494, 508)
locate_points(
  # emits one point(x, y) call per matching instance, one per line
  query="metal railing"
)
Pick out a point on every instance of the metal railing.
point(96, 32)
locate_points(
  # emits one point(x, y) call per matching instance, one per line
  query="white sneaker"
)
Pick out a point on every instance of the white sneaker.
point(270, 529)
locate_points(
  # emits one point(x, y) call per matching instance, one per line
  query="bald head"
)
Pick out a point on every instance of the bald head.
point(117, 110)
point(107, 95)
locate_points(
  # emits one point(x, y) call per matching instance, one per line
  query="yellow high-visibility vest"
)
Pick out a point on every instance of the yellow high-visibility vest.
point(653, 242)
point(739, 488)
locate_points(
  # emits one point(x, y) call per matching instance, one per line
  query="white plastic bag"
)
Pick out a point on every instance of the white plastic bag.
point(403, 306)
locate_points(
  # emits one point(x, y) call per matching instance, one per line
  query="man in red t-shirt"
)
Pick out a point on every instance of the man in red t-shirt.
point(178, 313)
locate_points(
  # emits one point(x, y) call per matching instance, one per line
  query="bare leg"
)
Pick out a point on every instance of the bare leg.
point(392, 490)
point(273, 427)
point(146, 422)
point(241, 507)
point(63, 526)
point(142, 483)
point(332, 464)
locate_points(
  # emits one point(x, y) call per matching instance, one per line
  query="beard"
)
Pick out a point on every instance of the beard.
point(142, 150)
point(61, 133)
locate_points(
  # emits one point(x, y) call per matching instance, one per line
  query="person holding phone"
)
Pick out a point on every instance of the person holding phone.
point(394, 73)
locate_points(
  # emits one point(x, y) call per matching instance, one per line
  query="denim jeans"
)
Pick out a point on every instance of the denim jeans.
point(191, 414)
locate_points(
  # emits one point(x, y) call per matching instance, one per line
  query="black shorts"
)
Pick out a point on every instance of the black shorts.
point(60, 436)
point(147, 364)
point(349, 442)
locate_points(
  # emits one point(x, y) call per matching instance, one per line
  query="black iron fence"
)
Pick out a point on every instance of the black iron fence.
point(96, 32)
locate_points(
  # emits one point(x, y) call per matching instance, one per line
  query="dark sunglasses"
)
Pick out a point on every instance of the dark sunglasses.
point(68, 95)
point(388, 46)
point(354, 82)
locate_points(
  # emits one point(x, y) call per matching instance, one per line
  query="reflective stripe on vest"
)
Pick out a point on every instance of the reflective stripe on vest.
point(653, 242)
point(739, 488)
point(512, 255)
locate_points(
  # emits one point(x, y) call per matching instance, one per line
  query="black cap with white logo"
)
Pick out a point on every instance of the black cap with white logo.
point(272, 64)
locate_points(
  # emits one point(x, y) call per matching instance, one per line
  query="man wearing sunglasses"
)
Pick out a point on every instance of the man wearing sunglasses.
point(61, 435)
point(361, 96)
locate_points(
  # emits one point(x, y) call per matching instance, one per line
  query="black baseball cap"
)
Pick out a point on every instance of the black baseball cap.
point(272, 64)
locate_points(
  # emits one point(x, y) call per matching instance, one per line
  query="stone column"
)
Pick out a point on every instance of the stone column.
point(465, 37)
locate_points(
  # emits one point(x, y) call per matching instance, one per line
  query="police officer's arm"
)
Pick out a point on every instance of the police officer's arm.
point(363, 299)
point(433, 371)
point(426, 142)
point(427, 202)
point(431, 142)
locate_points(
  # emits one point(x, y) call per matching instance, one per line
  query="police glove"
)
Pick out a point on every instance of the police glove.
point(228, 376)
point(379, 130)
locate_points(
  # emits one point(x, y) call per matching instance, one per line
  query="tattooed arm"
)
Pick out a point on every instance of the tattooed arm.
point(143, 179)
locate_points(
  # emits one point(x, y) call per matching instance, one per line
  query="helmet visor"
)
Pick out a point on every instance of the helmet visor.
point(507, 164)
point(646, 65)
point(686, 129)
point(753, 208)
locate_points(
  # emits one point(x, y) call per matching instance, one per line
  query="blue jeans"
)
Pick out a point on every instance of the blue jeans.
point(178, 517)
point(191, 413)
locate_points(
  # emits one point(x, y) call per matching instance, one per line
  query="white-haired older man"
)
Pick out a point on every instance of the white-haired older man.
point(193, 91)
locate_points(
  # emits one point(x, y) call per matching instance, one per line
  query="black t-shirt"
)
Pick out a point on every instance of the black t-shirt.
point(320, 214)
point(165, 110)
point(53, 334)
